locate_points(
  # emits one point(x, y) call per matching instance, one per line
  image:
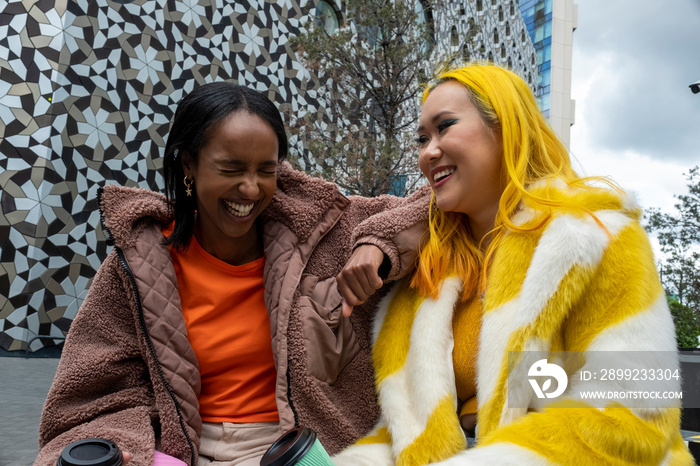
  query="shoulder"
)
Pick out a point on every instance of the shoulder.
point(578, 223)
point(125, 211)
point(553, 202)
point(298, 184)
point(303, 203)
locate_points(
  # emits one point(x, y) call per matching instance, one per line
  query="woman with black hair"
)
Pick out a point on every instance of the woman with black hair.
point(215, 323)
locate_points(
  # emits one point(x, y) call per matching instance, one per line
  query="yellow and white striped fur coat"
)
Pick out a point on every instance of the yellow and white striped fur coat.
point(572, 286)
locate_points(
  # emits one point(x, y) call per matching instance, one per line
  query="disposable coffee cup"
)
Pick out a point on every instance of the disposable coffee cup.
point(299, 447)
point(91, 452)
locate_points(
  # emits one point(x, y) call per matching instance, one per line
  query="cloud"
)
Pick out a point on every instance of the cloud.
point(632, 65)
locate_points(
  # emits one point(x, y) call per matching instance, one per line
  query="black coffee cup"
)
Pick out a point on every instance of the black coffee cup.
point(91, 452)
point(298, 446)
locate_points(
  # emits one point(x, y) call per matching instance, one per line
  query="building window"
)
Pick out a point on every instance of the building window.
point(424, 16)
point(539, 11)
point(466, 56)
point(424, 12)
point(547, 7)
point(454, 36)
point(500, 13)
point(327, 17)
point(503, 52)
point(512, 8)
point(539, 34)
point(479, 5)
point(495, 36)
point(508, 29)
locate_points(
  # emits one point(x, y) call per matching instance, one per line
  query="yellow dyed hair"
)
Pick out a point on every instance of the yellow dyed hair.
point(531, 152)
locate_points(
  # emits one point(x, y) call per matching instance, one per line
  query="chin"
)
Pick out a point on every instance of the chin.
point(445, 205)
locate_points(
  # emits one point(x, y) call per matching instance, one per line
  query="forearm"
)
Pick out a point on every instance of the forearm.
point(397, 230)
point(129, 428)
point(401, 251)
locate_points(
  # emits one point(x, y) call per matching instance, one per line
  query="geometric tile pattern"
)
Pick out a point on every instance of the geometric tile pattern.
point(87, 91)
point(490, 30)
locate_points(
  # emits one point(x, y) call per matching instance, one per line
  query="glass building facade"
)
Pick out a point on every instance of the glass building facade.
point(537, 15)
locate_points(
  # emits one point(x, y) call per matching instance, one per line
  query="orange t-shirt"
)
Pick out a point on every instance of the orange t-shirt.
point(229, 330)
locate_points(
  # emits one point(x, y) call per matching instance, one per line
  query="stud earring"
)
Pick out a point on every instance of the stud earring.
point(188, 187)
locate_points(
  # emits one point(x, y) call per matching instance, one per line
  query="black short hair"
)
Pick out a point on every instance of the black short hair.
point(197, 115)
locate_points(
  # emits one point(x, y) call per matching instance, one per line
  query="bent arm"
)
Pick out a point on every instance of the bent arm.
point(101, 388)
point(386, 245)
point(395, 225)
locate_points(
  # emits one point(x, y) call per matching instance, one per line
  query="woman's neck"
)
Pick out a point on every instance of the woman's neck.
point(481, 224)
point(236, 251)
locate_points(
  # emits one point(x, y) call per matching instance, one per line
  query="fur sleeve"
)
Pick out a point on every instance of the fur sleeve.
point(396, 226)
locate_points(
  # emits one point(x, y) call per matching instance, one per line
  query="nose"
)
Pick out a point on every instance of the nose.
point(249, 187)
point(429, 154)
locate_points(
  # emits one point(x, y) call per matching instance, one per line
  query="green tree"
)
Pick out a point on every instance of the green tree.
point(686, 322)
point(679, 238)
point(368, 77)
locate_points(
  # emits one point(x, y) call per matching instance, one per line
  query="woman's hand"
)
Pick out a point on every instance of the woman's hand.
point(360, 278)
point(126, 457)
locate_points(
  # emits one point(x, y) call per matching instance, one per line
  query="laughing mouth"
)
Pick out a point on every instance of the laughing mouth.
point(442, 174)
point(239, 210)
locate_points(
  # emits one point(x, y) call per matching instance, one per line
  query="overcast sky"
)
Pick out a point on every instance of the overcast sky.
point(636, 119)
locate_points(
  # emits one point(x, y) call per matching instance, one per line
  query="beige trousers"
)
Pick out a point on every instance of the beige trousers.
point(229, 444)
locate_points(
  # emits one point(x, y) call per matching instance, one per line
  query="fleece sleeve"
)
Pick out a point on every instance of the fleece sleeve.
point(101, 387)
point(395, 225)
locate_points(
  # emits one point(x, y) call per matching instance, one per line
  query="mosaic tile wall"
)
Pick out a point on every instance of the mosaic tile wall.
point(490, 30)
point(87, 90)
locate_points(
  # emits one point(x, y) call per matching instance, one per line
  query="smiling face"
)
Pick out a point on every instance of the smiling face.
point(235, 177)
point(460, 155)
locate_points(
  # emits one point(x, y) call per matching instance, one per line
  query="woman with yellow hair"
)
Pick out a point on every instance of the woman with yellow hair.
point(531, 277)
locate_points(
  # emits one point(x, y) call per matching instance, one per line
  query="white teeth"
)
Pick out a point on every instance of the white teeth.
point(442, 174)
point(239, 210)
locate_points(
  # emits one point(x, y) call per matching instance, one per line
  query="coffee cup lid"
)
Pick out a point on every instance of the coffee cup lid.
point(91, 452)
point(290, 448)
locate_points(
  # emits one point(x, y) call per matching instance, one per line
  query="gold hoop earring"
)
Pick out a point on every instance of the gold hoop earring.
point(188, 187)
